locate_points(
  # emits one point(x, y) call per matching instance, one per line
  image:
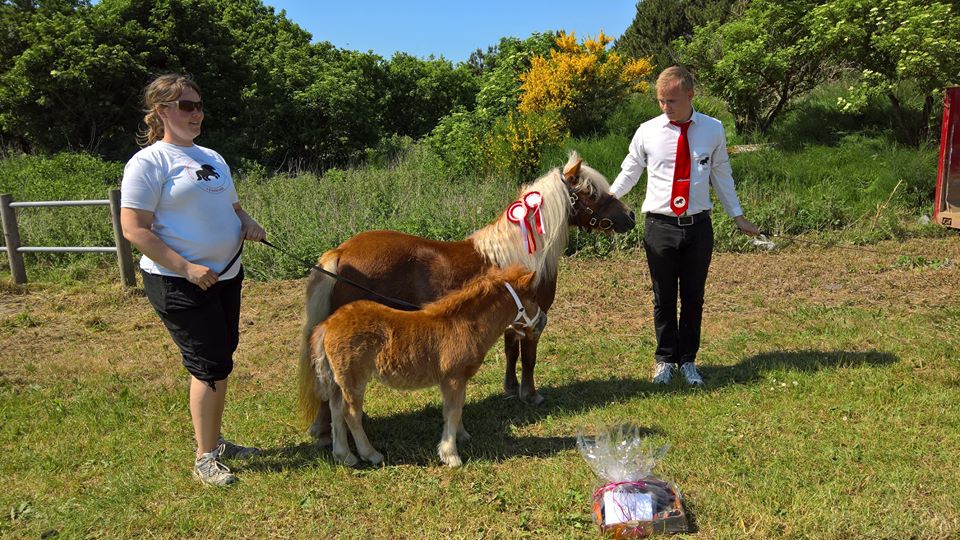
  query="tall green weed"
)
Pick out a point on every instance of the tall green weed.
point(64, 176)
point(309, 214)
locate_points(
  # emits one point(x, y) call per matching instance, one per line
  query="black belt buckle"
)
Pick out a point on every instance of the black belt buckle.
point(684, 221)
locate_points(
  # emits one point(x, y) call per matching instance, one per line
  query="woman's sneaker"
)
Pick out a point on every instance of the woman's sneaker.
point(229, 450)
point(208, 469)
point(690, 373)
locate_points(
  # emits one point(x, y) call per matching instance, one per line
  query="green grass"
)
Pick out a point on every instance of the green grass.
point(830, 411)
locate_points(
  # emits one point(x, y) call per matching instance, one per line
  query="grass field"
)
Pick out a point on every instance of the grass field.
point(830, 411)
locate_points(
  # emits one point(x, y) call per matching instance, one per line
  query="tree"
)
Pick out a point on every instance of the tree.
point(500, 84)
point(420, 92)
point(901, 47)
point(53, 91)
point(75, 71)
point(658, 23)
point(760, 61)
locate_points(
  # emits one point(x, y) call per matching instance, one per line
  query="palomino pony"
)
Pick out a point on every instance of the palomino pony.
point(442, 344)
point(418, 270)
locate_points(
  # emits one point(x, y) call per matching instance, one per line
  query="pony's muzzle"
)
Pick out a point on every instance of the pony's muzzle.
point(540, 324)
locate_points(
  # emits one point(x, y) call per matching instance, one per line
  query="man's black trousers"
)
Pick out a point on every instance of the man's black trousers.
point(678, 254)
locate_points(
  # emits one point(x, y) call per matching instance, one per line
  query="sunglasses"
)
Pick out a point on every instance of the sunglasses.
point(186, 105)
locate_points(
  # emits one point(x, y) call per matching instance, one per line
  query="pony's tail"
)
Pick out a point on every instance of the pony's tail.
point(317, 308)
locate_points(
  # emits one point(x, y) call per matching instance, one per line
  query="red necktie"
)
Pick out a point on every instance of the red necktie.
point(680, 195)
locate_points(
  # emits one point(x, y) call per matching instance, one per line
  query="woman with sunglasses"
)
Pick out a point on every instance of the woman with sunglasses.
point(179, 207)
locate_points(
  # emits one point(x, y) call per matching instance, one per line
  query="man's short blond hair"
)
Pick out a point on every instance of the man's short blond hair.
point(676, 74)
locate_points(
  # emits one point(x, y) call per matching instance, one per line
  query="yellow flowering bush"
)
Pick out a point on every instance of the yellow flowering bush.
point(518, 141)
point(583, 82)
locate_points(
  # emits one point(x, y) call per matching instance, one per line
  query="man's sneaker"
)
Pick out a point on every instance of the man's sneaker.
point(662, 373)
point(229, 450)
point(208, 469)
point(690, 373)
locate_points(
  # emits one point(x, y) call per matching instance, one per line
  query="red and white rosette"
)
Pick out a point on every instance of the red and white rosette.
point(532, 201)
point(526, 213)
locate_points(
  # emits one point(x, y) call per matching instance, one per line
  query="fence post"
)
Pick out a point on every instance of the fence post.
point(124, 255)
point(11, 235)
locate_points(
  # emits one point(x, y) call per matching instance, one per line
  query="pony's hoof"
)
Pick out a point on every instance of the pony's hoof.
point(532, 399)
point(324, 441)
point(511, 390)
point(349, 460)
point(453, 461)
point(376, 458)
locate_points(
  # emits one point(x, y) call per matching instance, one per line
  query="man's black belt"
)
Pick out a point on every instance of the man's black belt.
point(681, 221)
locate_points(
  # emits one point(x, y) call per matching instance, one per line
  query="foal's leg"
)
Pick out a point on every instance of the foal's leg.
point(341, 446)
point(462, 434)
point(511, 346)
point(454, 391)
point(353, 413)
point(528, 360)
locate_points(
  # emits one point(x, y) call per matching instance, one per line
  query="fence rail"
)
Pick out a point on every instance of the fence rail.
point(11, 236)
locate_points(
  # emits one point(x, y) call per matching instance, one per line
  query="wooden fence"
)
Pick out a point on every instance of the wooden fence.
point(15, 251)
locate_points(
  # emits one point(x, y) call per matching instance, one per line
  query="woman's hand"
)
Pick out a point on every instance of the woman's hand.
point(253, 231)
point(249, 228)
point(201, 276)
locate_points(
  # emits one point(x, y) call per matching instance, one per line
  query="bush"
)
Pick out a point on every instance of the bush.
point(627, 117)
point(519, 141)
point(581, 82)
point(458, 141)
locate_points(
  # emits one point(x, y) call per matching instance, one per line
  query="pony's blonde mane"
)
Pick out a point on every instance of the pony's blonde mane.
point(485, 284)
point(501, 242)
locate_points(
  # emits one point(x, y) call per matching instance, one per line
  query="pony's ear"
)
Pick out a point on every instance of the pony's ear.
point(525, 281)
point(514, 274)
point(572, 170)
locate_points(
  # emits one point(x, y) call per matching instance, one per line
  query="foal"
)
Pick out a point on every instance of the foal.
point(442, 344)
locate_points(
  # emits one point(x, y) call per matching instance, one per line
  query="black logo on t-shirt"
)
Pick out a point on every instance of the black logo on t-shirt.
point(206, 172)
point(209, 180)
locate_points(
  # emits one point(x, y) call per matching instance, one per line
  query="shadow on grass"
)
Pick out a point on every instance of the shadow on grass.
point(410, 438)
point(753, 367)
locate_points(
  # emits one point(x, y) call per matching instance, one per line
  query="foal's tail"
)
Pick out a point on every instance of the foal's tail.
point(318, 307)
point(323, 374)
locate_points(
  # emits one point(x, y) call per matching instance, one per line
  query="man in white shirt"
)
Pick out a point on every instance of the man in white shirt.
point(684, 152)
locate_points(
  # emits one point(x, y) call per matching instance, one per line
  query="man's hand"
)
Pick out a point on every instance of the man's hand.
point(746, 226)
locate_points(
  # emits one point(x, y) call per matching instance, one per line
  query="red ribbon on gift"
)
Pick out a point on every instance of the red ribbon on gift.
point(525, 213)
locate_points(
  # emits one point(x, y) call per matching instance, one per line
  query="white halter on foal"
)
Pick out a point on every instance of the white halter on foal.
point(528, 323)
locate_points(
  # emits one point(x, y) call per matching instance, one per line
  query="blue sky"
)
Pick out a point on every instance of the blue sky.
point(452, 29)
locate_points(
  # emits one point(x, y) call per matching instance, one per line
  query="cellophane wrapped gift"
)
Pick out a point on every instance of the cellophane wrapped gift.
point(630, 501)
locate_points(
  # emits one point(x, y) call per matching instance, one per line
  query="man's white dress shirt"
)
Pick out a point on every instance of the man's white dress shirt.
point(654, 146)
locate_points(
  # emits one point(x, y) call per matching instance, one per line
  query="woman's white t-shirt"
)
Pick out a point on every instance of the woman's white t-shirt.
point(191, 194)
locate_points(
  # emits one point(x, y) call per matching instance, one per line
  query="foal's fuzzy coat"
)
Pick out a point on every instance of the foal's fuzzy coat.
point(443, 344)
